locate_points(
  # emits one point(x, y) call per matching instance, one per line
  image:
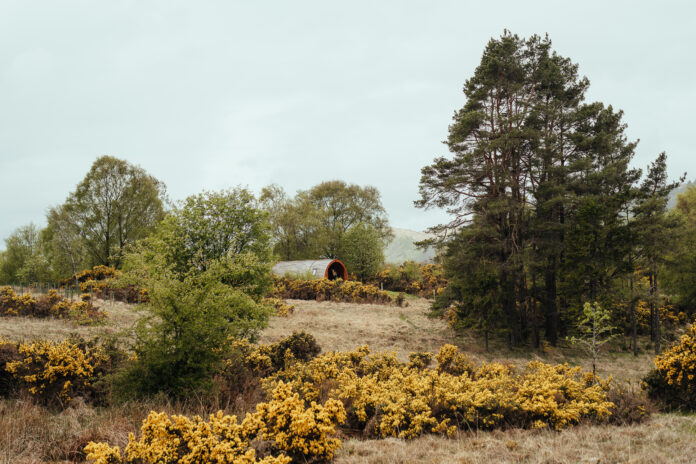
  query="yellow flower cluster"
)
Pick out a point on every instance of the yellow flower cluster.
point(388, 398)
point(282, 309)
point(56, 371)
point(294, 430)
point(678, 364)
point(330, 290)
point(298, 431)
point(49, 305)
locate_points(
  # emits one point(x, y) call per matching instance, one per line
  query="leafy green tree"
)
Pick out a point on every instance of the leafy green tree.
point(210, 226)
point(4, 279)
point(205, 269)
point(294, 225)
point(64, 246)
point(315, 222)
point(112, 207)
point(339, 206)
point(559, 94)
point(680, 269)
point(597, 234)
point(487, 176)
point(23, 259)
point(595, 330)
point(363, 250)
point(474, 294)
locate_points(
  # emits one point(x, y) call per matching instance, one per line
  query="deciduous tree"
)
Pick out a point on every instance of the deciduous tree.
point(112, 207)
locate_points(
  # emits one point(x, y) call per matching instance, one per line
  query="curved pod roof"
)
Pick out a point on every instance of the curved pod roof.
point(324, 268)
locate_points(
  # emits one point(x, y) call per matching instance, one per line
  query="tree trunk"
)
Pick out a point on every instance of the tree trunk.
point(657, 311)
point(533, 303)
point(550, 303)
point(634, 328)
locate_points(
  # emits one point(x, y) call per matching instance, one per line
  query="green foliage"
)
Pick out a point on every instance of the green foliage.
point(112, 207)
point(65, 248)
point(314, 224)
point(4, 278)
point(24, 259)
point(205, 271)
point(542, 196)
point(595, 329)
point(363, 250)
point(473, 296)
point(210, 226)
point(680, 271)
point(179, 343)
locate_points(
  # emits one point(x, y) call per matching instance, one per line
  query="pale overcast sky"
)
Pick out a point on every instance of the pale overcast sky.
point(211, 94)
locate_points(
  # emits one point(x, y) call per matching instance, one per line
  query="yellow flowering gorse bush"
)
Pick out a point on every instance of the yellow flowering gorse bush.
point(387, 398)
point(56, 371)
point(374, 393)
point(49, 305)
point(330, 290)
point(678, 364)
point(296, 431)
point(99, 282)
point(673, 380)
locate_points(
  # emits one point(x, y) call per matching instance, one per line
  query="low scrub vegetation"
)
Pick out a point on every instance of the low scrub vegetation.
point(293, 430)
point(311, 400)
point(51, 304)
point(102, 282)
point(385, 397)
point(331, 290)
point(426, 280)
point(55, 373)
point(673, 381)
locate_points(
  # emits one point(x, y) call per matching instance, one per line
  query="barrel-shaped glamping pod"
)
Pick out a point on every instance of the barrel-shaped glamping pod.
point(327, 268)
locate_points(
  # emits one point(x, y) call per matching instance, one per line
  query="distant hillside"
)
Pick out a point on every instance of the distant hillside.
point(673, 195)
point(402, 248)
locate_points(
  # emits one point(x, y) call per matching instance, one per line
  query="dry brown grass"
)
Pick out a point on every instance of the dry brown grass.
point(120, 316)
point(662, 439)
point(30, 433)
point(345, 326)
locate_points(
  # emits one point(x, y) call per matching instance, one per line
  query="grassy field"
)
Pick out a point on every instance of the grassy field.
point(29, 433)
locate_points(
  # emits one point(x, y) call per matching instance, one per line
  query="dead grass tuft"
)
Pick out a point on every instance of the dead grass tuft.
point(662, 439)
